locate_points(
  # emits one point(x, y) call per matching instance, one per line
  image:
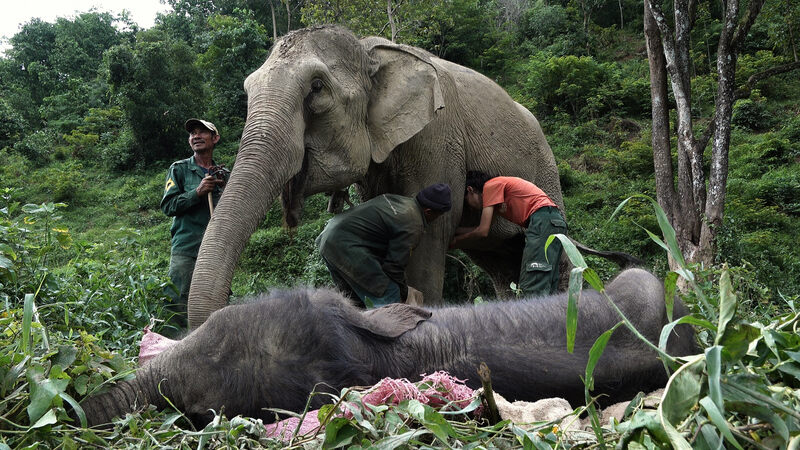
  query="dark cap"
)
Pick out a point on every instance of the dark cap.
point(192, 123)
point(435, 197)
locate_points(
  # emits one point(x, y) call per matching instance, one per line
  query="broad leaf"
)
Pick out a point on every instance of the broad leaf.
point(399, 440)
point(339, 433)
point(737, 339)
point(714, 366)
point(573, 298)
point(680, 397)
point(716, 418)
point(727, 304)
point(595, 353)
point(48, 418)
point(43, 391)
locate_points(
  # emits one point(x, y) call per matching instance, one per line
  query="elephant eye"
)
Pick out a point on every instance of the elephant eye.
point(316, 85)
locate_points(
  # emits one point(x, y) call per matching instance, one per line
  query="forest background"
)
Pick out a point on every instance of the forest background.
point(92, 110)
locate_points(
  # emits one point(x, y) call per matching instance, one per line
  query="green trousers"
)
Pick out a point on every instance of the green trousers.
point(539, 270)
point(360, 295)
point(181, 268)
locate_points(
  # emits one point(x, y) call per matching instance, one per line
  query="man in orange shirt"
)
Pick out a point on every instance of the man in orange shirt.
point(523, 203)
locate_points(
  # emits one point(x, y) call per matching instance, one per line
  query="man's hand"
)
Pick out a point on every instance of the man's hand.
point(414, 297)
point(208, 184)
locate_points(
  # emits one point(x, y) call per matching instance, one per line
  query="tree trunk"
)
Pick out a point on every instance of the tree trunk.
point(662, 153)
point(791, 31)
point(730, 39)
point(288, 17)
point(274, 23)
point(390, 14)
point(691, 181)
point(695, 217)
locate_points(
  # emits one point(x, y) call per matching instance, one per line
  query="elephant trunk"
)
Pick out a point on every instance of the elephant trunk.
point(126, 397)
point(270, 153)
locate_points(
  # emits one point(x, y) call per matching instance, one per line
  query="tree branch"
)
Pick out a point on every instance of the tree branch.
point(744, 26)
point(744, 91)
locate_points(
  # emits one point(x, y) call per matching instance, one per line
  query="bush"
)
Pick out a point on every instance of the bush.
point(119, 153)
point(37, 147)
point(15, 170)
point(12, 124)
point(63, 183)
point(791, 133)
point(781, 187)
point(277, 257)
point(756, 234)
point(632, 159)
point(751, 114)
point(582, 87)
point(552, 28)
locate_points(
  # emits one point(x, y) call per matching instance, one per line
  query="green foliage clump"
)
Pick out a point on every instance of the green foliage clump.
point(12, 124)
point(235, 45)
point(552, 28)
point(751, 114)
point(37, 147)
point(98, 129)
point(63, 183)
point(633, 158)
point(155, 97)
point(582, 87)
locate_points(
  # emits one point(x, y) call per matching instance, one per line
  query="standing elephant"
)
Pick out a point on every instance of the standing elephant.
point(288, 344)
point(327, 110)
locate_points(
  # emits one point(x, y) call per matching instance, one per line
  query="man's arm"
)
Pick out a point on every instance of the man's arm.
point(397, 256)
point(479, 232)
point(176, 200)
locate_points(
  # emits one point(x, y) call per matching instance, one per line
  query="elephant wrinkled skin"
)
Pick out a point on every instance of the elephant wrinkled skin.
point(287, 345)
point(327, 110)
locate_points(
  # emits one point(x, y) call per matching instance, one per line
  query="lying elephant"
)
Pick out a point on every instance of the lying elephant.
point(273, 352)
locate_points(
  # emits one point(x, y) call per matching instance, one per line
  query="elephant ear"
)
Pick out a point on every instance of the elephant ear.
point(392, 320)
point(405, 94)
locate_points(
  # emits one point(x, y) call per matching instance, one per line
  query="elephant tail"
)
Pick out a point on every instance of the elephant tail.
point(622, 259)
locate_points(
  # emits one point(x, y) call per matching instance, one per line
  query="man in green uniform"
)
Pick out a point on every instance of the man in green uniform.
point(193, 185)
point(367, 247)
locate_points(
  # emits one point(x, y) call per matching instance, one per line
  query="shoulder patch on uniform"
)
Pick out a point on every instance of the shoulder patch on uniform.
point(169, 184)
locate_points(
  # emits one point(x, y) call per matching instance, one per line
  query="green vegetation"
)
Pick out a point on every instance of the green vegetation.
point(91, 113)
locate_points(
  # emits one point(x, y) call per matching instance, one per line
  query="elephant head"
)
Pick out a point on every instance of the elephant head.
point(321, 110)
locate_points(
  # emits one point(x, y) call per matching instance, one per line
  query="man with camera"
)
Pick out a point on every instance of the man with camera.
point(194, 185)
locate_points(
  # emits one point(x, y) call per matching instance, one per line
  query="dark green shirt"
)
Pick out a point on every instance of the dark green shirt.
point(372, 242)
point(189, 211)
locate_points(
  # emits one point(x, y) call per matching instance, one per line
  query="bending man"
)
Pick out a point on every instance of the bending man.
point(367, 248)
point(523, 203)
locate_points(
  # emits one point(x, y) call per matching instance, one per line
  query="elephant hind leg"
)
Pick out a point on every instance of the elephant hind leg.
point(501, 264)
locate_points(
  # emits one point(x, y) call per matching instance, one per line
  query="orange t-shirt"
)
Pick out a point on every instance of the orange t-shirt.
point(521, 197)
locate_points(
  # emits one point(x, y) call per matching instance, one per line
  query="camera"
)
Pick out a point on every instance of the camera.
point(218, 172)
